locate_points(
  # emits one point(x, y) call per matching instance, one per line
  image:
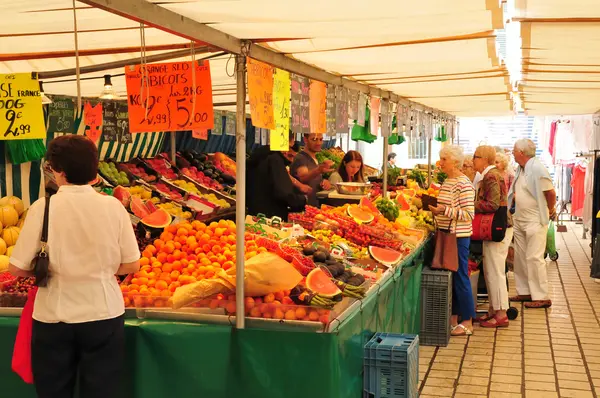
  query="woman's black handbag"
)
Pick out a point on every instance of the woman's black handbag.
point(41, 262)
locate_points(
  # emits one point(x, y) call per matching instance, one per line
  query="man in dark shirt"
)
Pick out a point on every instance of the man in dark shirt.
point(307, 169)
point(270, 190)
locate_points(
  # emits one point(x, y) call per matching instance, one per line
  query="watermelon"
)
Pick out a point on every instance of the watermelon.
point(409, 192)
point(403, 204)
point(320, 283)
point(159, 219)
point(384, 256)
point(367, 204)
point(359, 215)
point(123, 195)
point(138, 207)
point(150, 206)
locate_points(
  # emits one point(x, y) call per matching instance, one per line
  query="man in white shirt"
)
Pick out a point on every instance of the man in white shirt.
point(534, 199)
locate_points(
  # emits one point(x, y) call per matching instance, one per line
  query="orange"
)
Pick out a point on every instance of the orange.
point(230, 307)
point(262, 249)
point(300, 313)
point(177, 266)
point(192, 257)
point(182, 232)
point(127, 301)
point(147, 254)
point(144, 261)
point(158, 243)
point(134, 287)
point(178, 245)
point(278, 314)
point(190, 240)
point(191, 267)
point(231, 239)
point(156, 264)
point(132, 294)
point(146, 268)
point(205, 261)
point(154, 272)
point(175, 275)
point(166, 237)
point(152, 283)
point(151, 249)
point(209, 274)
point(169, 248)
point(134, 281)
point(124, 288)
point(166, 293)
point(269, 298)
point(290, 315)
point(206, 248)
point(313, 316)
point(216, 265)
point(161, 257)
point(198, 226)
point(161, 285)
point(177, 254)
point(227, 265)
point(216, 249)
point(174, 286)
point(170, 258)
point(167, 267)
point(213, 225)
point(223, 224)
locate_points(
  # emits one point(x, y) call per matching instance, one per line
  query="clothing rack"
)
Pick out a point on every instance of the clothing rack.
point(595, 197)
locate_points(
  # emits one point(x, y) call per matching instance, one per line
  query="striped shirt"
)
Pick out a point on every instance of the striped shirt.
point(458, 195)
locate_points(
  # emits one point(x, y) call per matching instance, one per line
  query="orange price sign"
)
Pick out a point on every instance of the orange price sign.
point(167, 97)
point(260, 92)
point(92, 115)
point(318, 107)
point(201, 134)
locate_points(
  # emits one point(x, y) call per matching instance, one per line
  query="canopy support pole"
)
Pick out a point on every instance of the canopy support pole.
point(240, 191)
point(386, 148)
point(429, 162)
point(173, 149)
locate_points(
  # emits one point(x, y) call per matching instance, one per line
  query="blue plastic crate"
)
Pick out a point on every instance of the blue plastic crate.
point(391, 366)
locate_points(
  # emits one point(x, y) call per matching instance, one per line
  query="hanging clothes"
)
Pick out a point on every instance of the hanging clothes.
point(564, 148)
point(578, 185)
point(596, 202)
point(588, 202)
point(551, 140)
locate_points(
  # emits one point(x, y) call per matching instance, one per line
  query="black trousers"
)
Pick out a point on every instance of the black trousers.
point(92, 351)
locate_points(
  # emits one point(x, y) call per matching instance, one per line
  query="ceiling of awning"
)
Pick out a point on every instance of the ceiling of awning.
point(560, 56)
point(441, 54)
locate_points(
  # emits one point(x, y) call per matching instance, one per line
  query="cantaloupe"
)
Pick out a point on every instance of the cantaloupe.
point(3, 247)
point(4, 261)
point(13, 201)
point(10, 235)
point(8, 216)
point(9, 251)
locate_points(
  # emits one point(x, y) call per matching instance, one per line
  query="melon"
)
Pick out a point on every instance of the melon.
point(359, 215)
point(4, 261)
point(123, 195)
point(384, 256)
point(13, 201)
point(9, 251)
point(403, 204)
point(159, 219)
point(138, 207)
point(10, 235)
point(3, 247)
point(150, 206)
point(317, 281)
point(8, 216)
point(367, 204)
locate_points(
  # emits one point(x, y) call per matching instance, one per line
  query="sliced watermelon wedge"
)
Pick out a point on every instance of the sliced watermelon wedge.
point(320, 283)
point(384, 256)
point(138, 207)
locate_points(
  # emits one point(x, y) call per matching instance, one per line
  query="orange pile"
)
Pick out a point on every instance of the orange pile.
point(184, 254)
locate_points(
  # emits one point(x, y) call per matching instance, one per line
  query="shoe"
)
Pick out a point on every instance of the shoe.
point(460, 330)
point(496, 323)
point(538, 304)
point(520, 298)
point(484, 318)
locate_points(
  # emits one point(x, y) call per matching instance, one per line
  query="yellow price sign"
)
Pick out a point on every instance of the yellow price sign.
point(21, 112)
point(280, 136)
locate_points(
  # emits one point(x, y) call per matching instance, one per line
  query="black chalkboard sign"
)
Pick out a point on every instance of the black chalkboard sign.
point(123, 132)
point(353, 106)
point(218, 126)
point(341, 110)
point(109, 121)
point(230, 123)
point(330, 110)
point(61, 115)
point(296, 104)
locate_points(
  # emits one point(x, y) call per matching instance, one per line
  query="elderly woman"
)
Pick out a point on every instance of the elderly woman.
point(467, 168)
point(492, 195)
point(454, 212)
point(504, 167)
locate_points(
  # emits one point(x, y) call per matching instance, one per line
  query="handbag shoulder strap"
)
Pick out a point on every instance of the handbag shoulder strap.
point(44, 238)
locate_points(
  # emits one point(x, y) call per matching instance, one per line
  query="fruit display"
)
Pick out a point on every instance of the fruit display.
point(201, 178)
point(187, 186)
point(385, 256)
point(110, 172)
point(387, 208)
point(168, 191)
point(218, 168)
point(225, 165)
point(13, 292)
point(12, 217)
point(163, 167)
point(175, 210)
point(212, 198)
point(140, 171)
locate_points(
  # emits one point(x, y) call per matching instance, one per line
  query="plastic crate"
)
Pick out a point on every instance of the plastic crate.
point(391, 366)
point(436, 307)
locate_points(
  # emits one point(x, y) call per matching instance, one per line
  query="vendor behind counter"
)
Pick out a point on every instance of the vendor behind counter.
point(351, 169)
point(307, 169)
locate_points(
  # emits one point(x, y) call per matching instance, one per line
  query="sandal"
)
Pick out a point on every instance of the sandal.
point(484, 318)
point(539, 304)
point(463, 332)
point(520, 298)
point(495, 323)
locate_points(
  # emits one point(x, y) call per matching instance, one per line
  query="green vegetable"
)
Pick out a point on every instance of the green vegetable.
point(326, 155)
point(393, 174)
point(440, 177)
point(388, 209)
point(419, 176)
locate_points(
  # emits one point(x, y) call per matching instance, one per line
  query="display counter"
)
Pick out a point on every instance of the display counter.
point(185, 359)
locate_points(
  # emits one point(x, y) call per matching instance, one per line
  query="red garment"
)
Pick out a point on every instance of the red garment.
point(551, 141)
point(578, 185)
point(21, 359)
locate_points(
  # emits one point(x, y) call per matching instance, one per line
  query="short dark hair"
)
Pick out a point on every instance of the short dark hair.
point(391, 156)
point(76, 156)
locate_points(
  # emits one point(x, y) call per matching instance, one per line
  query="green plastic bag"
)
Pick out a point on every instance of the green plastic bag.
point(550, 240)
point(395, 138)
point(441, 135)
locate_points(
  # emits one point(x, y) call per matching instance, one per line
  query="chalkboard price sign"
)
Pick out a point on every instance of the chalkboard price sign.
point(341, 110)
point(61, 115)
point(123, 132)
point(109, 121)
point(218, 123)
point(230, 123)
point(21, 113)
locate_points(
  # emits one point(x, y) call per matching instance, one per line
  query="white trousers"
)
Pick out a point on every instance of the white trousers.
point(531, 276)
point(494, 268)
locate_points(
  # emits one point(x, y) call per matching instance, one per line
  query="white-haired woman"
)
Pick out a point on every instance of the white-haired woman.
point(454, 213)
point(505, 168)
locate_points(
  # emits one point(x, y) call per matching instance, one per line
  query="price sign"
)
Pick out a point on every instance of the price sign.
point(330, 110)
point(109, 121)
point(354, 105)
point(341, 110)
point(92, 116)
point(362, 109)
point(21, 113)
point(61, 115)
point(163, 97)
point(386, 118)
point(300, 104)
point(374, 116)
point(260, 93)
point(123, 132)
point(218, 123)
point(201, 134)
point(318, 107)
point(230, 123)
point(280, 136)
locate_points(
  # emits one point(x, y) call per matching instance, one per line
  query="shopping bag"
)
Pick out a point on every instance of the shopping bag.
point(445, 254)
point(595, 270)
point(550, 239)
point(21, 359)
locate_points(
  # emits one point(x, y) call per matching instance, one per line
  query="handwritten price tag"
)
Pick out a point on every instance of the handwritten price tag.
point(92, 115)
point(260, 92)
point(21, 113)
point(318, 107)
point(280, 137)
point(200, 134)
point(161, 97)
point(300, 101)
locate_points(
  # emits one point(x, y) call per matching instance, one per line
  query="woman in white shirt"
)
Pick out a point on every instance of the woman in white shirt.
point(78, 322)
point(350, 170)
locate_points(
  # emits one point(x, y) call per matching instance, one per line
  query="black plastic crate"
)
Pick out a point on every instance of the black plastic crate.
point(436, 307)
